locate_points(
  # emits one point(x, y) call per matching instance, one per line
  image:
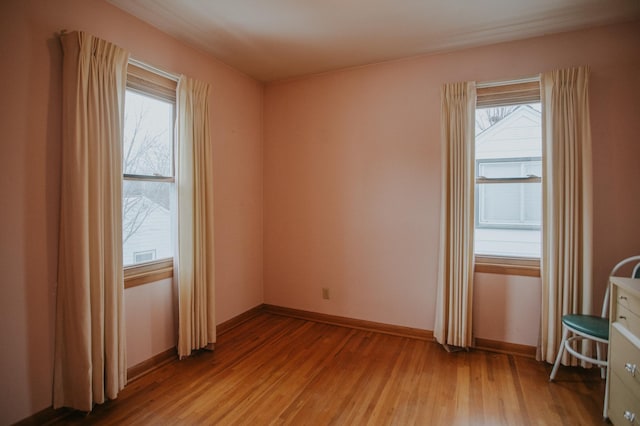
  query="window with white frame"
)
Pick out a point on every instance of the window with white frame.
point(508, 153)
point(148, 168)
point(509, 205)
point(144, 256)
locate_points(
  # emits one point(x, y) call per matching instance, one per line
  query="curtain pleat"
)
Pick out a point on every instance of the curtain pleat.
point(453, 325)
point(90, 358)
point(195, 253)
point(566, 267)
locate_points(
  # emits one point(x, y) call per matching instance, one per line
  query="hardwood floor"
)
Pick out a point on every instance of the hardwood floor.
point(279, 370)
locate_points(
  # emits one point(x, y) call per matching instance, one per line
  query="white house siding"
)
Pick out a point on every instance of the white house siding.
point(516, 135)
point(154, 233)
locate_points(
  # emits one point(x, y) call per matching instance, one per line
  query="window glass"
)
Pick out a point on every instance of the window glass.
point(144, 256)
point(499, 204)
point(508, 186)
point(148, 184)
point(499, 170)
point(148, 136)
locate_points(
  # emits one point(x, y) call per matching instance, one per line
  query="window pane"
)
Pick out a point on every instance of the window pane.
point(144, 256)
point(507, 242)
point(499, 204)
point(508, 215)
point(148, 136)
point(146, 221)
point(533, 203)
point(510, 204)
point(500, 170)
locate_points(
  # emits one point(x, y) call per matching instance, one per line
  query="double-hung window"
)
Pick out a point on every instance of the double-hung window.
point(148, 187)
point(508, 163)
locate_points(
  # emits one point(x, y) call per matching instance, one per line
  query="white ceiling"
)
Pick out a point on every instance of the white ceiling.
point(276, 39)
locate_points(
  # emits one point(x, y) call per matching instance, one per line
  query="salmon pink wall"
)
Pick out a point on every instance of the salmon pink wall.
point(506, 308)
point(352, 179)
point(151, 320)
point(30, 167)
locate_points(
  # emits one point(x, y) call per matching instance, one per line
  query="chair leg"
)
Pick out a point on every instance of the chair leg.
point(603, 370)
point(605, 409)
point(565, 336)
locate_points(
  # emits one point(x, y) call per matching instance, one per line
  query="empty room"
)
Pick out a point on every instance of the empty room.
point(318, 212)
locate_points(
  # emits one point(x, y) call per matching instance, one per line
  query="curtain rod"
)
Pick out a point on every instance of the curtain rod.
point(138, 63)
point(151, 68)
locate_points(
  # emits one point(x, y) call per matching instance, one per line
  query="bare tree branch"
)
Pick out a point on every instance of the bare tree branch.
point(487, 117)
point(146, 152)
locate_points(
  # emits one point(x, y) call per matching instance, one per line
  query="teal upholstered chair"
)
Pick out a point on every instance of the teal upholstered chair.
point(590, 327)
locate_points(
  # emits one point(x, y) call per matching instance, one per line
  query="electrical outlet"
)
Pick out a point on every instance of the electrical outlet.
point(325, 293)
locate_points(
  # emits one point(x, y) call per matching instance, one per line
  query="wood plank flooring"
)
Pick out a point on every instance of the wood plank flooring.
point(279, 370)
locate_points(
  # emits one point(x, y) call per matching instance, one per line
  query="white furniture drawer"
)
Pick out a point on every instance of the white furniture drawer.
point(627, 319)
point(623, 374)
point(624, 409)
point(628, 300)
point(625, 361)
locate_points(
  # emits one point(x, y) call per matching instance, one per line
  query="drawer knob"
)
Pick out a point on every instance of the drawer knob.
point(623, 297)
point(629, 416)
point(622, 317)
point(631, 368)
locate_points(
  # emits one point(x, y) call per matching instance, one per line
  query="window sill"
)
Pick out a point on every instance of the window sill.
point(526, 267)
point(146, 273)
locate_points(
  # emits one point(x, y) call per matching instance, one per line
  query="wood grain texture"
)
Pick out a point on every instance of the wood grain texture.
point(152, 363)
point(273, 369)
point(395, 330)
point(505, 347)
point(507, 266)
point(237, 320)
point(501, 269)
point(147, 273)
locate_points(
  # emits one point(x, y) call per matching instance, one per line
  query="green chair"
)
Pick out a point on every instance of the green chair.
point(591, 327)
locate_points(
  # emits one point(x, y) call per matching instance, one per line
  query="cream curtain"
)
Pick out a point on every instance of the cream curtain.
point(567, 204)
point(90, 363)
point(195, 253)
point(455, 272)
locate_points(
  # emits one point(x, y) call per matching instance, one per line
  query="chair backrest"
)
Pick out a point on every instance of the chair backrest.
point(634, 274)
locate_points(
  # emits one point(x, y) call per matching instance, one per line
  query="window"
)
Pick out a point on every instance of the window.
point(144, 256)
point(148, 185)
point(508, 209)
point(509, 205)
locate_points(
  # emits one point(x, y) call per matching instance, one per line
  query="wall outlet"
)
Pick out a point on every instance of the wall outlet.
point(325, 293)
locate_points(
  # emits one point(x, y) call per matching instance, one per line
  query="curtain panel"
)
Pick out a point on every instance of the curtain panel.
point(453, 326)
point(566, 266)
point(89, 359)
point(195, 239)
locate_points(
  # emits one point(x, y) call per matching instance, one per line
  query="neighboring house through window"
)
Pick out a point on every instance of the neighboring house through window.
point(508, 152)
point(148, 187)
